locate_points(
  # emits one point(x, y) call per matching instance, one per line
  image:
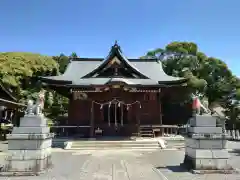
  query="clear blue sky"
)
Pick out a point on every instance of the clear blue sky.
point(90, 27)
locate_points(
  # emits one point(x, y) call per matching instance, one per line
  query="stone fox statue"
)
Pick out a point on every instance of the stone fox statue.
point(36, 109)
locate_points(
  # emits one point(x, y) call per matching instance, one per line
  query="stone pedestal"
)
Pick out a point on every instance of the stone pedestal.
point(205, 146)
point(29, 147)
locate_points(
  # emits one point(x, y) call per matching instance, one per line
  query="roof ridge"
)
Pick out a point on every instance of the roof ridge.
point(102, 59)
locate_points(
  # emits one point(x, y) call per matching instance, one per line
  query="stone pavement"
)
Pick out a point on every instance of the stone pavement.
point(124, 165)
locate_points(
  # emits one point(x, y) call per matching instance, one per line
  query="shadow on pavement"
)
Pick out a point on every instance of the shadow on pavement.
point(176, 168)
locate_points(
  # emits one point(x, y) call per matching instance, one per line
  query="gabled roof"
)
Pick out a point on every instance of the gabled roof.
point(80, 71)
point(116, 52)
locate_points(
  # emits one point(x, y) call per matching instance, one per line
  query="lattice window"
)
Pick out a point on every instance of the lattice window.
point(150, 97)
point(146, 97)
point(153, 96)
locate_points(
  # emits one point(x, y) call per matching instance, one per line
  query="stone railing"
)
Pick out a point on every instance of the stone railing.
point(233, 134)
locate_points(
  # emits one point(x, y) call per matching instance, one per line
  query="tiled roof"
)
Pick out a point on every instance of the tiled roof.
point(150, 69)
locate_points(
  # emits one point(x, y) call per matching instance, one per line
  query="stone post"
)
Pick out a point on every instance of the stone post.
point(237, 135)
point(29, 147)
point(205, 146)
point(233, 134)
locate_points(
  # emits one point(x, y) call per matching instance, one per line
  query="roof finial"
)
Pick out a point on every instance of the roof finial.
point(116, 44)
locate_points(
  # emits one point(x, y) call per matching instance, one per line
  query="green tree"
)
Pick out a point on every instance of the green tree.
point(73, 55)
point(62, 61)
point(232, 112)
point(20, 71)
point(207, 75)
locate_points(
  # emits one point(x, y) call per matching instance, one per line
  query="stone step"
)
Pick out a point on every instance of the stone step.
point(176, 146)
point(119, 146)
point(147, 135)
point(148, 131)
point(113, 148)
point(114, 142)
point(114, 145)
point(59, 143)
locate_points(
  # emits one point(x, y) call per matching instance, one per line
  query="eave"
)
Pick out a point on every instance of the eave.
point(6, 94)
point(64, 90)
point(49, 80)
point(9, 104)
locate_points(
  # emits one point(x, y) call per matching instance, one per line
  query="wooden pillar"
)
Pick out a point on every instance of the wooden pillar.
point(109, 116)
point(138, 120)
point(138, 110)
point(121, 114)
point(160, 105)
point(160, 111)
point(115, 114)
point(92, 121)
point(102, 113)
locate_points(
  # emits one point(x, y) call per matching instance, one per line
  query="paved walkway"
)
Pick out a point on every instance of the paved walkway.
point(99, 165)
point(112, 167)
point(123, 165)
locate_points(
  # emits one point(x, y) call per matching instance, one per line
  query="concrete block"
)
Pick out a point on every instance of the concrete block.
point(29, 144)
point(31, 165)
point(207, 153)
point(28, 154)
point(212, 144)
point(26, 130)
point(206, 144)
point(203, 121)
point(212, 164)
point(193, 143)
point(207, 136)
point(33, 120)
point(34, 136)
point(207, 130)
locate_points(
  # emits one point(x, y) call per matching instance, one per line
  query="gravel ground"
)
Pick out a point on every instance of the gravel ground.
point(125, 165)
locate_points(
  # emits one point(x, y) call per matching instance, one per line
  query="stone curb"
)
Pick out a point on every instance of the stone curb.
point(17, 174)
point(233, 171)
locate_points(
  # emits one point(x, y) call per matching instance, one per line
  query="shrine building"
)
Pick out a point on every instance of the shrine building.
point(117, 96)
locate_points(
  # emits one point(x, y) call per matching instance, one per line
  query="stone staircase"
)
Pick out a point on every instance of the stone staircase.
point(100, 145)
point(146, 131)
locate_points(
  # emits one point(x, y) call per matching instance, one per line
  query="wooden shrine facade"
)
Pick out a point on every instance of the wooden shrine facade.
point(115, 96)
point(115, 111)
